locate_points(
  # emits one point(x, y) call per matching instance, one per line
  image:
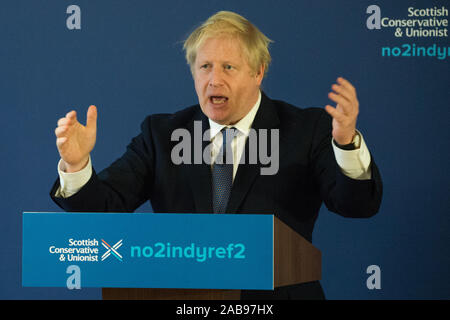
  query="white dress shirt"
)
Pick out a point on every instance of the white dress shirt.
point(353, 163)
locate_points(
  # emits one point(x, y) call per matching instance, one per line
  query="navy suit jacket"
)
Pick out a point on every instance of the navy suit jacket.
point(308, 175)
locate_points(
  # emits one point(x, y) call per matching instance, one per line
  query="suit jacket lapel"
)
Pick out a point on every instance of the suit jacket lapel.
point(199, 175)
point(266, 118)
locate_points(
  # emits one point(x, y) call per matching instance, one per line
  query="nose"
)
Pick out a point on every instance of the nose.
point(215, 77)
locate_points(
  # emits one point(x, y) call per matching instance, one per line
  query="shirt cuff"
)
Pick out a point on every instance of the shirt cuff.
point(354, 164)
point(71, 183)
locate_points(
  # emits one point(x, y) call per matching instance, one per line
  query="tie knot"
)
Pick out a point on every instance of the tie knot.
point(228, 135)
point(225, 155)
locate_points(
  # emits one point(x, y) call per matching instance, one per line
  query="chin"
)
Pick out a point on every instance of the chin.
point(219, 116)
point(220, 119)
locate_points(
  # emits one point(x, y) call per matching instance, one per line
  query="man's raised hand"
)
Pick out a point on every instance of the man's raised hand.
point(346, 111)
point(75, 141)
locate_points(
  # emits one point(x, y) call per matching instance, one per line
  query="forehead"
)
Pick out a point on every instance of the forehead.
point(221, 48)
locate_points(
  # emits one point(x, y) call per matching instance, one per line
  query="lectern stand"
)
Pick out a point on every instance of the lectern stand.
point(296, 261)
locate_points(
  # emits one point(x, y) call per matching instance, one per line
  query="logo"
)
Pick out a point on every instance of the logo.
point(86, 250)
point(112, 250)
point(414, 24)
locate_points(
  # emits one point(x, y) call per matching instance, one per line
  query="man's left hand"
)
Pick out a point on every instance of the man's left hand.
point(346, 111)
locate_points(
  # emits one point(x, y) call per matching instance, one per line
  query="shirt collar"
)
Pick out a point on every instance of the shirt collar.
point(242, 125)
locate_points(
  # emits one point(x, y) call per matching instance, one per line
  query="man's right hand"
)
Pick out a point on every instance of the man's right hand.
point(75, 141)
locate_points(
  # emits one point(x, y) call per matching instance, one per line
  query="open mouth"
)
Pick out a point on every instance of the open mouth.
point(218, 100)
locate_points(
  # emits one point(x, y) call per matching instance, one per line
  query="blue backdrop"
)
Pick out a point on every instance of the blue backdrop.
point(127, 59)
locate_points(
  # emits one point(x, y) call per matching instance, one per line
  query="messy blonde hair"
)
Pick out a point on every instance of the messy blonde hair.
point(225, 23)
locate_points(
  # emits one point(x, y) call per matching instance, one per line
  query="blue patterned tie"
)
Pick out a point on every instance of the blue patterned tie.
point(222, 173)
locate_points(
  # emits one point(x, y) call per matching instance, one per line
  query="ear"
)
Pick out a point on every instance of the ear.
point(260, 74)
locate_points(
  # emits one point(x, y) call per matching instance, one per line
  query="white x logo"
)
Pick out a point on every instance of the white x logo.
point(112, 250)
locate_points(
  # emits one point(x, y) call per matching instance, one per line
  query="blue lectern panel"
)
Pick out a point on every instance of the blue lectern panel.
point(148, 250)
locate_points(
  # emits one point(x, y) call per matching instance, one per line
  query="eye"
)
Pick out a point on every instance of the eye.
point(205, 66)
point(228, 67)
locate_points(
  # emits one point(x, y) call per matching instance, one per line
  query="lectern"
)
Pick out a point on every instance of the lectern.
point(296, 260)
point(165, 256)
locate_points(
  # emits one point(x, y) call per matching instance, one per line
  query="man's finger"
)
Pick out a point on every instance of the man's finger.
point(345, 92)
point(339, 116)
point(91, 118)
point(344, 103)
point(71, 115)
point(64, 122)
point(60, 141)
point(60, 131)
point(346, 84)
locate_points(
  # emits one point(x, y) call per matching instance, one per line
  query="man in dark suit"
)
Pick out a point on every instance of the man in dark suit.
point(322, 159)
